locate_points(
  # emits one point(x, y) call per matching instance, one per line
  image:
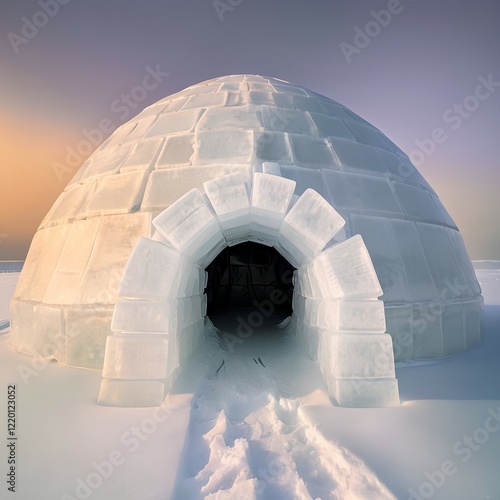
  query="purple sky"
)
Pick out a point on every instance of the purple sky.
point(428, 58)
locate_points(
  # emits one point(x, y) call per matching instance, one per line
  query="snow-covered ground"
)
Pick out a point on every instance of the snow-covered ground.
point(251, 419)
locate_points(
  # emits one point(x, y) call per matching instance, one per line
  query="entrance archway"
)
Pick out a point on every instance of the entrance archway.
point(159, 320)
point(246, 275)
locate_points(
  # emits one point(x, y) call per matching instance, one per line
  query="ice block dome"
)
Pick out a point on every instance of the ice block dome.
point(245, 125)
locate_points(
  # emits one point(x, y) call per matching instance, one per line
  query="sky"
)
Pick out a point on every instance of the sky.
point(426, 73)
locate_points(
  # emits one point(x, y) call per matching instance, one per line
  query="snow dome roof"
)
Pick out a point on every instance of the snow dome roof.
point(243, 123)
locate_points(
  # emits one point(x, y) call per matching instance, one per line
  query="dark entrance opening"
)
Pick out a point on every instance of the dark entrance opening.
point(250, 276)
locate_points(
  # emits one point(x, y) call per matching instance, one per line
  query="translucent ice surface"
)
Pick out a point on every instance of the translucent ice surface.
point(357, 356)
point(342, 271)
point(342, 316)
point(228, 196)
point(270, 198)
point(307, 228)
point(157, 316)
point(366, 393)
point(129, 357)
point(190, 226)
point(156, 270)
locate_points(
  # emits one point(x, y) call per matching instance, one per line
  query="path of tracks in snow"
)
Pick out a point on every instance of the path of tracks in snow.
point(248, 439)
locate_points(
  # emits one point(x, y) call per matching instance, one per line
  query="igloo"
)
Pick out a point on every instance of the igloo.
point(115, 278)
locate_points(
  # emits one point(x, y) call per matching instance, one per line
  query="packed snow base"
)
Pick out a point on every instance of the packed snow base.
point(158, 322)
point(247, 436)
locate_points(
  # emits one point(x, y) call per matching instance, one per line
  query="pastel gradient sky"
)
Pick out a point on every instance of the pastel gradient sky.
point(64, 79)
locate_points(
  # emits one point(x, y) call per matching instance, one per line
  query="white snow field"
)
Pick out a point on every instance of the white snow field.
point(251, 418)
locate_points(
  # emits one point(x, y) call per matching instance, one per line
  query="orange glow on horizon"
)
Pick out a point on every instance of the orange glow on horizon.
point(28, 183)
